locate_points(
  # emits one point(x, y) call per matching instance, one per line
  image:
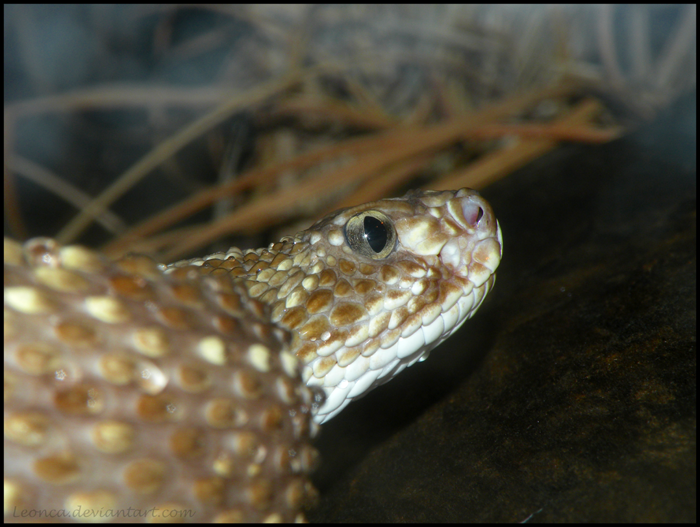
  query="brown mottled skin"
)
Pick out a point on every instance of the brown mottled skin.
point(175, 393)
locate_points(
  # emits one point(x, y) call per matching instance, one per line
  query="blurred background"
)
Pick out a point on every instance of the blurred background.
point(235, 124)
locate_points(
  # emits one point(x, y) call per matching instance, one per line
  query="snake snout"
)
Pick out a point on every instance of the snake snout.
point(475, 253)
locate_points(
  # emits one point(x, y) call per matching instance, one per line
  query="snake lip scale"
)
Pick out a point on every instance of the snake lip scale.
point(191, 391)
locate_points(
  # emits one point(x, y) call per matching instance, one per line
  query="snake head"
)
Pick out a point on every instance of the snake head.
point(394, 278)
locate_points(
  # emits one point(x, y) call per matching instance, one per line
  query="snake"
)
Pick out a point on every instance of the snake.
point(143, 392)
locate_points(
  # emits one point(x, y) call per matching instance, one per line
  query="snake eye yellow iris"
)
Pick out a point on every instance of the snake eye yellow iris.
point(371, 234)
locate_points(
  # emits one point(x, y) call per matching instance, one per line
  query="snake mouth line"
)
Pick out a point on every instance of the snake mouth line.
point(405, 352)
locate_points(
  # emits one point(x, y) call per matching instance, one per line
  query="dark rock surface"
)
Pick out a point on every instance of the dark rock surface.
point(571, 395)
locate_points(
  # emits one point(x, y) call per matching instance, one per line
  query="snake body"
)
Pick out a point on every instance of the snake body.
point(191, 391)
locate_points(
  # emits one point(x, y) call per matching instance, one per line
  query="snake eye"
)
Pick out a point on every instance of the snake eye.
point(371, 234)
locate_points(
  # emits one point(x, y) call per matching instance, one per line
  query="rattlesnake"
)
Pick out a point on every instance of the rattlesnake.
point(142, 392)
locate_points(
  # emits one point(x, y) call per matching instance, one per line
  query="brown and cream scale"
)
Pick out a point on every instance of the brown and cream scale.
point(136, 391)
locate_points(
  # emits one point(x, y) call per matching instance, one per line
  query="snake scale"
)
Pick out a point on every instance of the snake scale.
point(136, 391)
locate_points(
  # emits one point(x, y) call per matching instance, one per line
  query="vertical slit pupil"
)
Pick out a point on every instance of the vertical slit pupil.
point(375, 233)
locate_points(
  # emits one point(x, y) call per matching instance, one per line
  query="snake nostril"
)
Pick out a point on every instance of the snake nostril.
point(472, 212)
